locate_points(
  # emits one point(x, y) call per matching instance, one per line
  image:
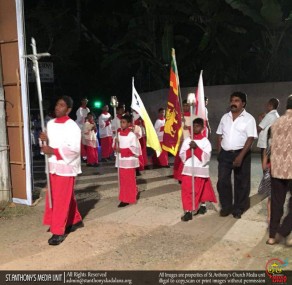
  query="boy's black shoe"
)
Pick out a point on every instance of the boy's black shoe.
point(104, 160)
point(74, 227)
point(202, 210)
point(56, 239)
point(122, 204)
point(187, 216)
point(237, 214)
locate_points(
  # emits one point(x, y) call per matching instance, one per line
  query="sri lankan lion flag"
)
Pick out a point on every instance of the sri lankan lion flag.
point(172, 128)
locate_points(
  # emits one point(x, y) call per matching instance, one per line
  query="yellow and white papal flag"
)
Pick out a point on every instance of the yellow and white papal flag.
point(151, 136)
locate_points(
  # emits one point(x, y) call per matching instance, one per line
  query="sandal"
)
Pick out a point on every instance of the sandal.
point(288, 242)
point(271, 241)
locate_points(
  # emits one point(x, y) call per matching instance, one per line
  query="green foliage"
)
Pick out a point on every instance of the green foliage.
point(97, 46)
point(246, 10)
point(272, 12)
point(273, 35)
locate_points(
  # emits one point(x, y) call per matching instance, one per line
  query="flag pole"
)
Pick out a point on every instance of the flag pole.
point(34, 58)
point(114, 103)
point(192, 101)
point(137, 135)
point(177, 79)
point(133, 122)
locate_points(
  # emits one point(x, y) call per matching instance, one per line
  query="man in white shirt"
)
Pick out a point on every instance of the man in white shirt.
point(208, 133)
point(265, 123)
point(236, 133)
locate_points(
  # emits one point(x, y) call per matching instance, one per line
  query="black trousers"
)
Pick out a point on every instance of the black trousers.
point(241, 181)
point(280, 188)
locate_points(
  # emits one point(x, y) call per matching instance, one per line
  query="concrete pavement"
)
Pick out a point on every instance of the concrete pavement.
point(147, 236)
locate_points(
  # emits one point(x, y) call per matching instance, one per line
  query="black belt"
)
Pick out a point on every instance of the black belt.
point(232, 151)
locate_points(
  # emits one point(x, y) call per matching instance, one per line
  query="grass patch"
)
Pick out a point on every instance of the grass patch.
point(10, 210)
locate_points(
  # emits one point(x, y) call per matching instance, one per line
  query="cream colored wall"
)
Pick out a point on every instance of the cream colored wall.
point(258, 95)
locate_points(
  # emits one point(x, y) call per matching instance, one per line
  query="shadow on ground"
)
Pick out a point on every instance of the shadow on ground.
point(87, 198)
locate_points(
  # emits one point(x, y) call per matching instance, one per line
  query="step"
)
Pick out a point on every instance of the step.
point(107, 177)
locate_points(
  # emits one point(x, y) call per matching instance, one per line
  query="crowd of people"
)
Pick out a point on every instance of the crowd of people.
point(123, 138)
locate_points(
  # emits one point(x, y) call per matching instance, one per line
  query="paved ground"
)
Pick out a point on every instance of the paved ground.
point(148, 235)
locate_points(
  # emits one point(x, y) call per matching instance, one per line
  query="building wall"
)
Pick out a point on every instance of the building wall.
point(258, 95)
point(9, 68)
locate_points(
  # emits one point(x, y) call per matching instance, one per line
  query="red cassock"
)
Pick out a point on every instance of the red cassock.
point(64, 138)
point(203, 192)
point(196, 165)
point(162, 159)
point(177, 168)
point(143, 159)
point(83, 151)
point(128, 187)
point(141, 162)
point(106, 147)
point(64, 211)
point(92, 155)
point(89, 139)
point(128, 162)
point(144, 150)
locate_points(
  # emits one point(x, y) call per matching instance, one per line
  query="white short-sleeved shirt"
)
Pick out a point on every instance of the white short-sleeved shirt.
point(267, 121)
point(235, 133)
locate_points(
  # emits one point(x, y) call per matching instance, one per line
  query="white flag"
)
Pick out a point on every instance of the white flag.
point(200, 98)
point(151, 136)
point(201, 110)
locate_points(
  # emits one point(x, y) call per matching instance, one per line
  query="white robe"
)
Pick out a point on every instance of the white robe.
point(104, 130)
point(129, 142)
point(200, 167)
point(158, 125)
point(81, 116)
point(66, 138)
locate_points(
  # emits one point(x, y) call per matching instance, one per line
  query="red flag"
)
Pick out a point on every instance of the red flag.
point(172, 128)
point(200, 103)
